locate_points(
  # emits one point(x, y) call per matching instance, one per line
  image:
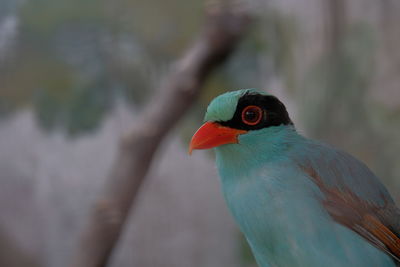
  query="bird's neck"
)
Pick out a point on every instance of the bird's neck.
point(255, 149)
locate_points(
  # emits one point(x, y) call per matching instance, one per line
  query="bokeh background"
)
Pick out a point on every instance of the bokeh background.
point(74, 75)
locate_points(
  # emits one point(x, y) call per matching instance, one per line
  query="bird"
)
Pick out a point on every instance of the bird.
point(298, 201)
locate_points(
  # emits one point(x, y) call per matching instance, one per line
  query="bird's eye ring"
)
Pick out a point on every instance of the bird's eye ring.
point(252, 115)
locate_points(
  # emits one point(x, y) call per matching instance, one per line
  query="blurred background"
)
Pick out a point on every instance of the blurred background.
point(74, 75)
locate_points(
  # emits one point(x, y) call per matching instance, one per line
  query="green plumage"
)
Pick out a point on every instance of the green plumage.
point(288, 195)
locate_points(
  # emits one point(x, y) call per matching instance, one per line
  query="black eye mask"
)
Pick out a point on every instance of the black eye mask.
point(274, 112)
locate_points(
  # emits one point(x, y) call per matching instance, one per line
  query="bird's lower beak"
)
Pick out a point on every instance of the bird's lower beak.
point(212, 134)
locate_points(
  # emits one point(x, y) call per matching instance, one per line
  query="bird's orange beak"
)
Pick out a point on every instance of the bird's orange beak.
point(212, 134)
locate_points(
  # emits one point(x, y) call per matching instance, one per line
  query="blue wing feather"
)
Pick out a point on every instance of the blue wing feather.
point(353, 195)
point(340, 170)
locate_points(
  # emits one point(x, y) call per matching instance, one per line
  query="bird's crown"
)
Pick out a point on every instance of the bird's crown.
point(222, 108)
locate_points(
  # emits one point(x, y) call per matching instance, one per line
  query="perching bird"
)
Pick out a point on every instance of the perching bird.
point(298, 202)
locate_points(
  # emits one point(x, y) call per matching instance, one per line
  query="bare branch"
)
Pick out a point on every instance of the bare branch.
point(223, 30)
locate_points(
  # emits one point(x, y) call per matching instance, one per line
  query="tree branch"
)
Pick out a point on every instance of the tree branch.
point(223, 30)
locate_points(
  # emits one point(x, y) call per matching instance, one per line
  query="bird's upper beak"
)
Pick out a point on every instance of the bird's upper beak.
point(212, 134)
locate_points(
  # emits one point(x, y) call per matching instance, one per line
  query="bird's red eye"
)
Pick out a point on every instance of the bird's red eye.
point(252, 115)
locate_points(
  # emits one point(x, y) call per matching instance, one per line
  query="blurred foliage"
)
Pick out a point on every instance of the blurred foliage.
point(70, 64)
point(44, 18)
point(73, 61)
point(80, 110)
point(339, 78)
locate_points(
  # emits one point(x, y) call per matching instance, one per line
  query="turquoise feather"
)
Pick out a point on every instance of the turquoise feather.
point(279, 207)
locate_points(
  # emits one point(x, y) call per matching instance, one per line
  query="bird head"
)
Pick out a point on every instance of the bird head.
point(234, 115)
